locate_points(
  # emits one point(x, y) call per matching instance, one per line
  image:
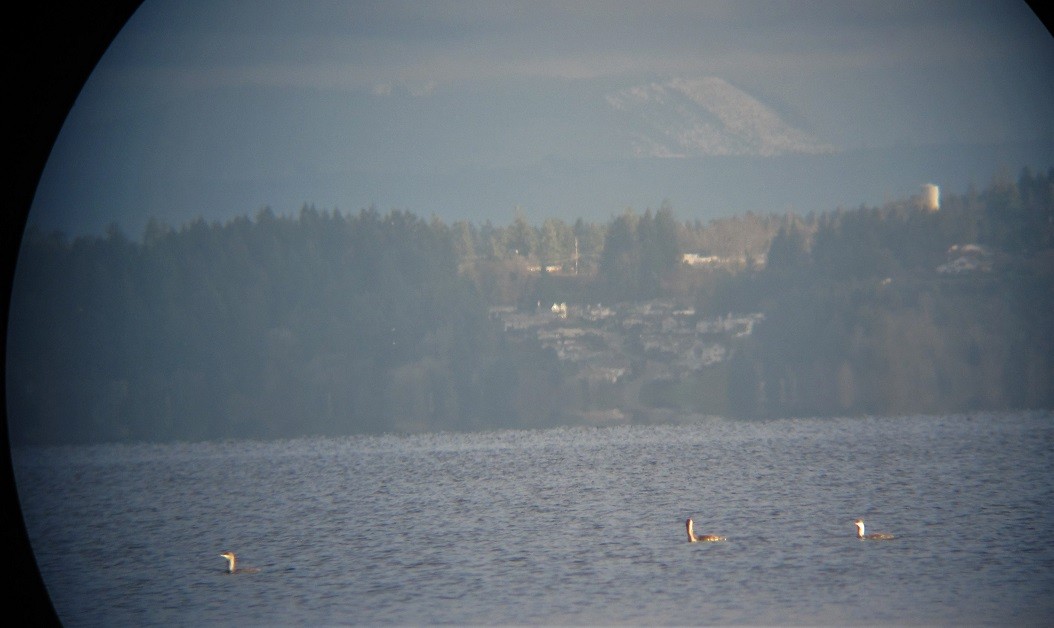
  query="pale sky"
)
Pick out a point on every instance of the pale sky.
point(219, 108)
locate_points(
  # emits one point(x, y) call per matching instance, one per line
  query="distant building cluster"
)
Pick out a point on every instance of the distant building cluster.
point(716, 262)
point(602, 341)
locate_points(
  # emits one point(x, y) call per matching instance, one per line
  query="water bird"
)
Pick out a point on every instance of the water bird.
point(874, 536)
point(693, 537)
point(232, 564)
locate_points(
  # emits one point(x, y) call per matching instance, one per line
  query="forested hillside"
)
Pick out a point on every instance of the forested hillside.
point(326, 323)
point(894, 310)
point(322, 324)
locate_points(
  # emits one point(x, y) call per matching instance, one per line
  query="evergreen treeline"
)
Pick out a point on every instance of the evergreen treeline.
point(322, 324)
point(332, 324)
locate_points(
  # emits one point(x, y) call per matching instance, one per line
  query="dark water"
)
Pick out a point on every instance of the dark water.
point(566, 526)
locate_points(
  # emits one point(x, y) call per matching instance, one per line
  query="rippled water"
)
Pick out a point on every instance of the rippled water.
point(563, 526)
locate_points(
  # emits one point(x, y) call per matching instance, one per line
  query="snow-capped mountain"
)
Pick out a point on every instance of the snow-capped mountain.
point(707, 116)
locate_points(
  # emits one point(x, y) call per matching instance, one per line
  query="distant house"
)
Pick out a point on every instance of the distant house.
point(966, 258)
point(714, 262)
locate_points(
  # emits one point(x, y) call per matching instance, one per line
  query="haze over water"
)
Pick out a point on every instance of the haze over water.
point(469, 110)
point(570, 525)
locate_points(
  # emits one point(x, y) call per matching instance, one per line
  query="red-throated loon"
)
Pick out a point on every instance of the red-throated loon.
point(232, 564)
point(693, 537)
point(874, 536)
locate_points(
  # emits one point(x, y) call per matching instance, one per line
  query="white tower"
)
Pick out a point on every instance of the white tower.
point(931, 197)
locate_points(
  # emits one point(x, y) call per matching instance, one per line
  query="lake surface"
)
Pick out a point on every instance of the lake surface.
point(561, 526)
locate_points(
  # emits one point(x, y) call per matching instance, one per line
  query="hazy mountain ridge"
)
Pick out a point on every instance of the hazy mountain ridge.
point(708, 117)
point(575, 156)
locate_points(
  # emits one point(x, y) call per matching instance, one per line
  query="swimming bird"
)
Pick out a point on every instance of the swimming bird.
point(232, 564)
point(693, 537)
point(874, 536)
